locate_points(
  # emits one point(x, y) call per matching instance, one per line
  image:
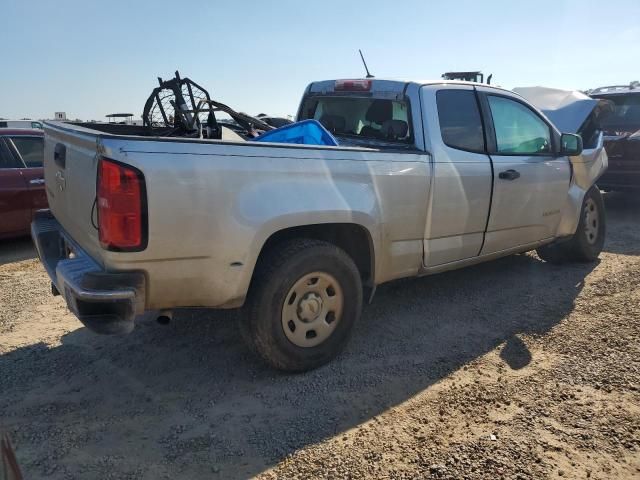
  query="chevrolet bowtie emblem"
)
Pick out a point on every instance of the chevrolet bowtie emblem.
point(60, 181)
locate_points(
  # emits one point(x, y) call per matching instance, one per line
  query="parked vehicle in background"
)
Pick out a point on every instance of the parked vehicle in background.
point(21, 180)
point(10, 470)
point(621, 127)
point(427, 177)
point(21, 124)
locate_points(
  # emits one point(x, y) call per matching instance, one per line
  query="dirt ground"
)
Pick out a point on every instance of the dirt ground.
point(512, 369)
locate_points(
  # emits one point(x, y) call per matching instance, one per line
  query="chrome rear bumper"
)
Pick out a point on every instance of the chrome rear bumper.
point(105, 302)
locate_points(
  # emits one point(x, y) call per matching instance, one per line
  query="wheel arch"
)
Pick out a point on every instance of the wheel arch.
point(355, 239)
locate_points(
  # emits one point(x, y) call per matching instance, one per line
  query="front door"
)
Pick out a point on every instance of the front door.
point(530, 182)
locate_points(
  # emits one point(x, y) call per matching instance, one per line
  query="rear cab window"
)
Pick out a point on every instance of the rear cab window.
point(362, 119)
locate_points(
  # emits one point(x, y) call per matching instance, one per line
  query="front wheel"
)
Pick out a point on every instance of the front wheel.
point(587, 243)
point(303, 303)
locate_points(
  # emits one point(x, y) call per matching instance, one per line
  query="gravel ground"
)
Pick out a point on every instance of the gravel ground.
point(512, 369)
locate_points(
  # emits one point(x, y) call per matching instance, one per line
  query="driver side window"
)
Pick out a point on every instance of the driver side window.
point(519, 131)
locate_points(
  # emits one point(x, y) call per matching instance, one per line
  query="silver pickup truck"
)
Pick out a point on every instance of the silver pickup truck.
point(428, 177)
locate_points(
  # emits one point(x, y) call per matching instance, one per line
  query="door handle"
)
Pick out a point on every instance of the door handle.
point(510, 174)
point(37, 181)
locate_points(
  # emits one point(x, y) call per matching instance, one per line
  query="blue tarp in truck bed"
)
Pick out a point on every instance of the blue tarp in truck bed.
point(306, 132)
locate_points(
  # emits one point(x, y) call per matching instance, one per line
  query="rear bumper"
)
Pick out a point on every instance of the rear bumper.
point(104, 302)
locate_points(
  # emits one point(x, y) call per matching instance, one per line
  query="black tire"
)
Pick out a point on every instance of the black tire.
point(279, 271)
point(587, 243)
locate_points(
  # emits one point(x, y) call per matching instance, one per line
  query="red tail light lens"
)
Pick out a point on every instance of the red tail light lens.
point(352, 85)
point(121, 200)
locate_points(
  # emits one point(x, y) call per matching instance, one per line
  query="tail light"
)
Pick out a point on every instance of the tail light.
point(122, 212)
point(352, 85)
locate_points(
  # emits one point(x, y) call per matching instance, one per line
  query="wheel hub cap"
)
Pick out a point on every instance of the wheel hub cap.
point(312, 309)
point(591, 221)
point(309, 307)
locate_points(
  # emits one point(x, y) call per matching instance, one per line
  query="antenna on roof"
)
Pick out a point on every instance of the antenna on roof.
point(365, 65)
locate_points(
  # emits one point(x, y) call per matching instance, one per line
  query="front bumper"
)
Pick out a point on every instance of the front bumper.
point(105, 302)
point(623, 172)
point(622, 181)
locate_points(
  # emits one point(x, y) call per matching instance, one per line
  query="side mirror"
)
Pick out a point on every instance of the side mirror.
point(570, 144)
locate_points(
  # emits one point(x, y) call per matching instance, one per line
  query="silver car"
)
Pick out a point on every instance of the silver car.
point(427, 177)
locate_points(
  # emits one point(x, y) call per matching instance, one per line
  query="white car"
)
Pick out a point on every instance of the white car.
point(21, 124)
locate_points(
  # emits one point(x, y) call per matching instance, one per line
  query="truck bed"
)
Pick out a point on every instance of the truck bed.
point(121, 129)
point(207, 210)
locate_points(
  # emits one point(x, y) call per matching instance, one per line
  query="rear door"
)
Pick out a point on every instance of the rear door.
point(30, 150)
point(530, 182)
point(461, 189)
point(15, 206)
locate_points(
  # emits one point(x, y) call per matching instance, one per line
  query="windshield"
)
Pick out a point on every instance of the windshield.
point(366, 118)
point(626, 112)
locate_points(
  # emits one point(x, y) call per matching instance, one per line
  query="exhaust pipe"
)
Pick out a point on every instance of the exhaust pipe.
point(165, 317)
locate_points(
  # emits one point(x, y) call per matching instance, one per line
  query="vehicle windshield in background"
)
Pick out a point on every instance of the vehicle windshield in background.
point(366, 118)
point(625, 115)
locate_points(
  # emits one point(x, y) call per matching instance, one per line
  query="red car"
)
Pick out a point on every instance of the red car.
point(21, 180)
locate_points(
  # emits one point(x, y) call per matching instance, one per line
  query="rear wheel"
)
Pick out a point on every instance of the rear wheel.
point(587, 243)
point(304, 300)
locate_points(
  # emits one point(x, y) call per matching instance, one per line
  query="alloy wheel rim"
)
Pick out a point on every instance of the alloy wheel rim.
point(312, 309)
point(591, 221)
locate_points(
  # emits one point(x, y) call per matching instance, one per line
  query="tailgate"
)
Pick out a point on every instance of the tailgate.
point(70, 169)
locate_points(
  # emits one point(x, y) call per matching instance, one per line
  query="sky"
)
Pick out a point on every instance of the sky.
point(89, 58)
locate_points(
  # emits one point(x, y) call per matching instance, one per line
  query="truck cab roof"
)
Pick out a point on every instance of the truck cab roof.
point(374, 112)
point(384, 85)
